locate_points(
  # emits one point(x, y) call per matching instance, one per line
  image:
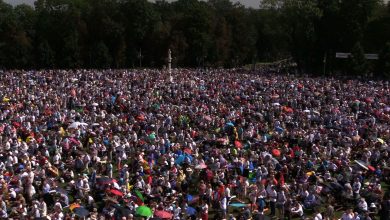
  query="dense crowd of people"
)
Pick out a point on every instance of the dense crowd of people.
point(218, 144)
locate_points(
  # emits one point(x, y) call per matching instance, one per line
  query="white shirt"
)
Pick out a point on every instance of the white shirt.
point(13, 194)
point(318, 217)
point(227, 192)
point(176, 213)
point(205, 208)
point(224, 203)
point(356, 187)
point(43, 209)
point(272, 194)
point(46, 188)
point(347, 216)
point(363, 205)
point(297, 210)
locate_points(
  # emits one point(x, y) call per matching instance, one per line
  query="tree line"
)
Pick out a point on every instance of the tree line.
point(214, 33)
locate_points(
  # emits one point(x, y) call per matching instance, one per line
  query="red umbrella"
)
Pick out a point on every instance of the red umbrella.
point(369, 99)
point(281, 179)
point(16, 124)
point(288, 110)
point(116, 192)
point(141, 117)
point(276, 153)
point(187, 151)
point(238, 144)
point(371, 168)
point(163, 214)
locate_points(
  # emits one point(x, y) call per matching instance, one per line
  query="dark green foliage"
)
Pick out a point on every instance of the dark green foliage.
point(383, 67)
point(215, 33)
point(357, 61)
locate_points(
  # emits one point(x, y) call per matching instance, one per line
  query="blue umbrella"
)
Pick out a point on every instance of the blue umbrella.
point(61, 191)
point(189, 157)
point(279, 129)
point(113, 99)
point(230, 124)
point(242, 168)
point(190, 211)
point(190, 198)
point(179, 160)
point(251, 167)
point(237, 205)
point(106, 141)
point(81, 212)
point(121, 212)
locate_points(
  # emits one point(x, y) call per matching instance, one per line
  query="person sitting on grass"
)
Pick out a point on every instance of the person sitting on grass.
point(348, 215)
point(310, 201)
point(297, 210)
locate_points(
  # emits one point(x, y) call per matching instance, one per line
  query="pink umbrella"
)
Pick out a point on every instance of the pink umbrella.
point(201, 166)
point(163, 214)
point(74, 141)
point(208, 118)
point(222, 141)
point(73, 92)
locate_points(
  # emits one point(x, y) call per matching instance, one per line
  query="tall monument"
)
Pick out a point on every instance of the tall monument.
point(170, 65)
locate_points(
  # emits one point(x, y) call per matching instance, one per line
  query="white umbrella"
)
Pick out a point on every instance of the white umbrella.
point(316, 112)
point(76, 124)
point(95, 104)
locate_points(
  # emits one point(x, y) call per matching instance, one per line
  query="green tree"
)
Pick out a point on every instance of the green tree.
point(193, 24)
point(15, 44)
point(357, 62)
point(383, 65)
point(139, 22)
point(110, 33)
point(100, 56)
point(301, 17)
point(45, 55)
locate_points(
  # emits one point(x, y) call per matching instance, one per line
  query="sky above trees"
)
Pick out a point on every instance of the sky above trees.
point(248, 3)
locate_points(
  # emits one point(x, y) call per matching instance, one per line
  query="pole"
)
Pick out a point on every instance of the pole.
point(140, 57)
point(324, 64)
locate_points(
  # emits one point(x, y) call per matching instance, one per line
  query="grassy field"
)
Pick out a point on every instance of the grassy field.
point(212, 213)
